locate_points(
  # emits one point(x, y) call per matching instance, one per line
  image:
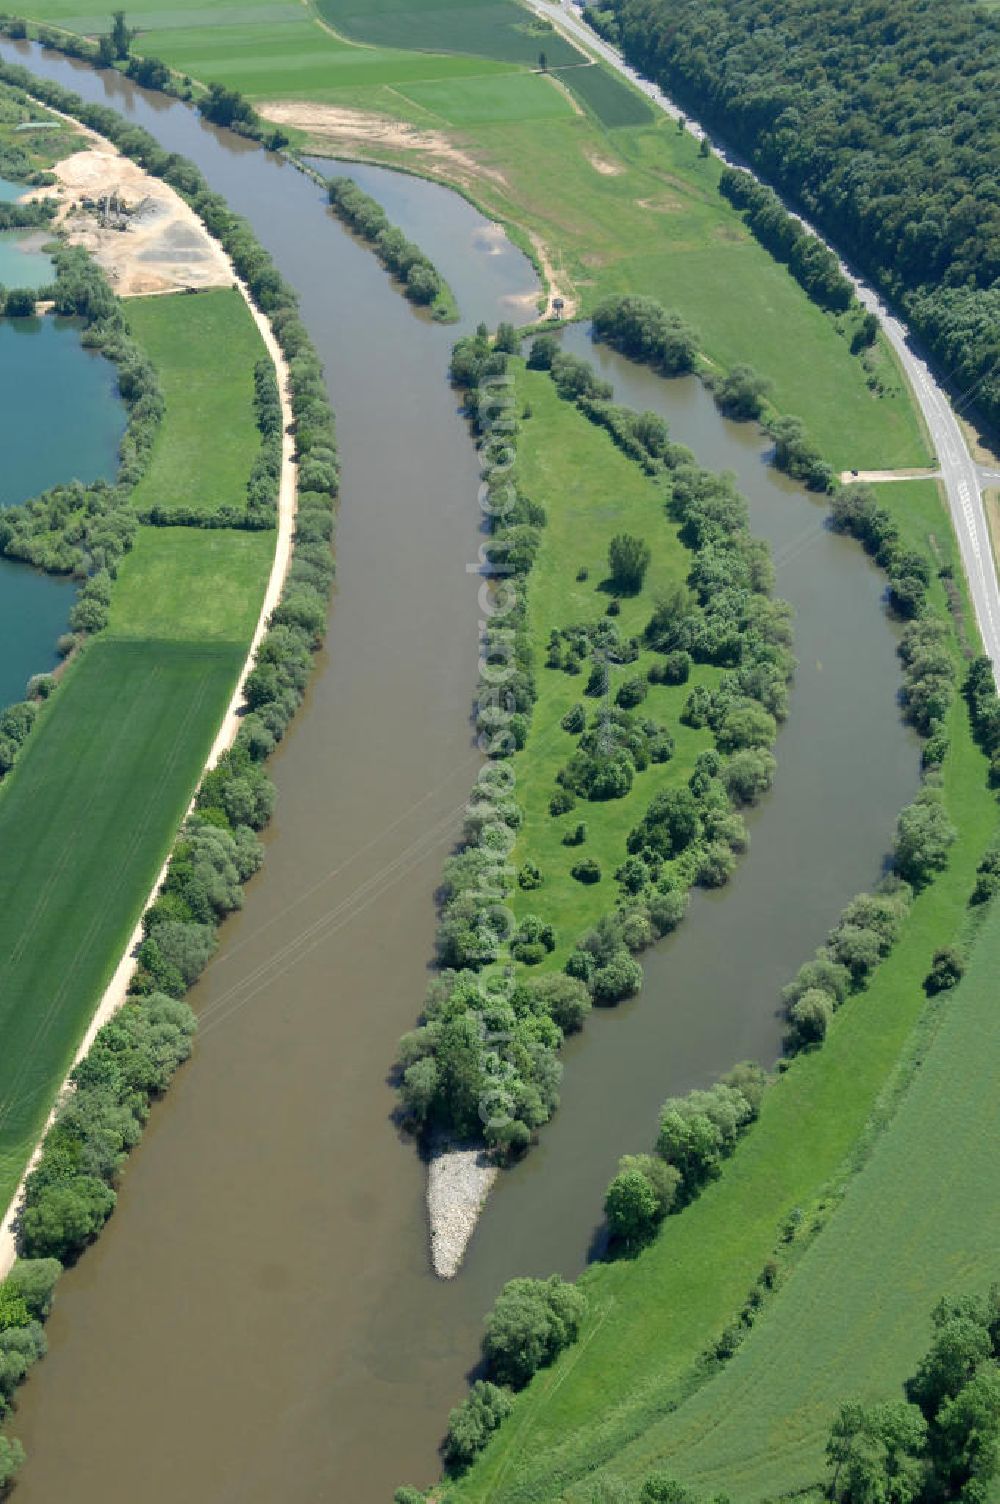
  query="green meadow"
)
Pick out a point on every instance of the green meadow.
point(187, 584)
point(204, 347)
point(611, 1402)
point(590, 491)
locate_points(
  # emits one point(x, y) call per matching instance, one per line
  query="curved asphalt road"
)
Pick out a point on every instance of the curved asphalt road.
point(962, 478)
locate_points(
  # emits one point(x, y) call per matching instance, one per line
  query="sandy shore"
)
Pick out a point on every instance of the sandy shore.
point(458, 1183)
point(116, 991)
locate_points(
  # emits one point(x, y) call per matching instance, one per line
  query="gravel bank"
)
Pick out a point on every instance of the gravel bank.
point(458, 1183)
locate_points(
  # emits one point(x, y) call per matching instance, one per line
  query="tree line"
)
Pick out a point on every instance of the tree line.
point(883, 128)
point(422, 282)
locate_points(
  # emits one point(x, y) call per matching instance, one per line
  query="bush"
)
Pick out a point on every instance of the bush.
point(946, 972)
point(924, 835)
point(628, 560)
point(471, 1424)
point(532, 1321)
point(565, 999)
point(620, 977)
point(64, 1218)
point(587, 871)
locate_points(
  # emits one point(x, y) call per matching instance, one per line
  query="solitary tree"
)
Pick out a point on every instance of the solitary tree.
point(543, 62)
point(121, 35)
point(628, 560)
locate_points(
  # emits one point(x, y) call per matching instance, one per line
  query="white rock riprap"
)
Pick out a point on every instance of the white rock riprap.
point(458, 1183)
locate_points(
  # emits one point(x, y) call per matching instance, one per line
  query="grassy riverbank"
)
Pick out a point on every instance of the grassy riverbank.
point(611, 1401)
point(93, 804)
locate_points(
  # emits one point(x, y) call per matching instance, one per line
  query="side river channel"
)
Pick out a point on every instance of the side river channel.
point(258, 1322)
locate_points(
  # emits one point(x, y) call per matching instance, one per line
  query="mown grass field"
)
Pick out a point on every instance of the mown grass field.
point(590, 491)
point(187, 584)
point(86, 819)
point(604, 1403)
point(205, 347)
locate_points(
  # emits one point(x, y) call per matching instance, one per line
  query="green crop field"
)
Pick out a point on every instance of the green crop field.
point(602, 1405)
point(487, 28)
point(86, 819)
point(590, 491)
point(204, 347)
point(611, 100)
point(191, 585)
point(475, 101)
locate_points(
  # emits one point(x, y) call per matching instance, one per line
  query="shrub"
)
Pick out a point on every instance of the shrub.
point(576, 836)
point(472, 1423)
point(924, 835)
point(529, 1325)
point(628, 560)
point(631, 692)
point(64, 1217)
point(620, 977)
point(630, 1208)
point(565, 999)
point(946, 972)
point(587, 871)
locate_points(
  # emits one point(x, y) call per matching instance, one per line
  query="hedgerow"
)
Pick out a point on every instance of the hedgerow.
point(421, 281)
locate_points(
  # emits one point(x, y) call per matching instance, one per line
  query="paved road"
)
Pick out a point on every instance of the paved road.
point(962, 478)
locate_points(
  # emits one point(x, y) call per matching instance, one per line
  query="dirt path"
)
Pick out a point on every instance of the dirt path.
point(116, 992)
point(852, 476)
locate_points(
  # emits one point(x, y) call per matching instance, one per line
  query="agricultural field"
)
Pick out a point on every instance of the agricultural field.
point(477, 101)
point(650, 1319)
point(112, 762)
point(204, 347)
point(590, 491)
point(611, 100)
point(494, 29)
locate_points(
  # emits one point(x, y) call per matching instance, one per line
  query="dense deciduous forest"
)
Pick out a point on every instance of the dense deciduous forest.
point(882, 122)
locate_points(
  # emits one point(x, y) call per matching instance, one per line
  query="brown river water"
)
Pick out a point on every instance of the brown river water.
point(258, 1322)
